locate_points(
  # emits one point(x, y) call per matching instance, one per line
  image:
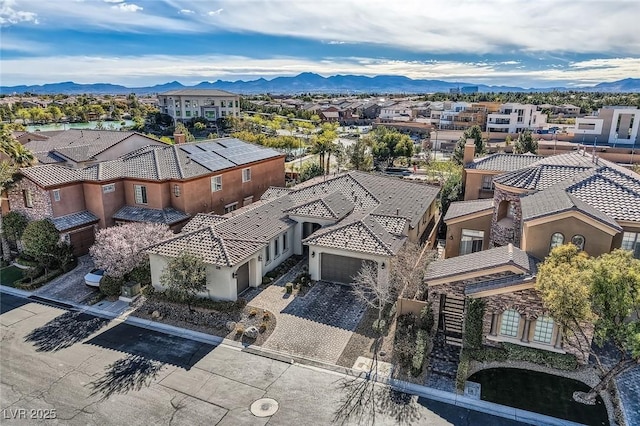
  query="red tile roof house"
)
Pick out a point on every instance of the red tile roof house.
point(340, 222)
point(143, 182)
point(493, 245)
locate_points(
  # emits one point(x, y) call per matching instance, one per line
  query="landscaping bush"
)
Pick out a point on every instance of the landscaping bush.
point(379, 325)
point(426, 318)
point(487, 354)
point(41, 280)
point(110, 286)
point(422, 342)
point(26, 260)
point(141, 274)
point(263, 327)
point(539, 356)
point(65, 257)
point(240, 329)
point(253, 312)
point(289, 288)
point(473, 324)
point(462, 373)
point(404, 346)
point(266, 316)
point(215, 305)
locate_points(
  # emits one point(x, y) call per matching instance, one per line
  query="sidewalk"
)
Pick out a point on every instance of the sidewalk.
point(410, 388)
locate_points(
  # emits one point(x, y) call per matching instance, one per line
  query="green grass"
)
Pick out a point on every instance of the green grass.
point(10, 274)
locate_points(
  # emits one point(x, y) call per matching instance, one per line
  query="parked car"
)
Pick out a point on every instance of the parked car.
point(93, 278)
point(397, 171)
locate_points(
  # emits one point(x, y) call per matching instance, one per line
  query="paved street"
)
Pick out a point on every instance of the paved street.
point(93, 371)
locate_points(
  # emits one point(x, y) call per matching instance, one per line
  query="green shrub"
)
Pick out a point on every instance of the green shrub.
point(110, 286)
point(487, 354)
point(263, 327)
point(540, 356)
point(462, 373)
point(148, 290)
point(266, 280)
point(141, 274)
point(422, 342)
point(65, 257)
point(26, 260)
point(40, 281)
point(473, 324)
point(426, 318)
point(289, 288)
point(379, 325)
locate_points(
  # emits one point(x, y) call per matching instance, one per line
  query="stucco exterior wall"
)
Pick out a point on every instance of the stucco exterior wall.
point(473, 185)
point(314, 261)
point(274, 261)
point(158, 193)
point(537, 239)
point(454, 233)
point(71, 200)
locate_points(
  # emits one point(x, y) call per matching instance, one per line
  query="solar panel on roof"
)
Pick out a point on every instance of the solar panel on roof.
point(191, 149)
point(211, 161)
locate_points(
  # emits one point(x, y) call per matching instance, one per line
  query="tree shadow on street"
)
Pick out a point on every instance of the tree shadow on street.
point(64, 331)
point(363, 399)
point(126, 374)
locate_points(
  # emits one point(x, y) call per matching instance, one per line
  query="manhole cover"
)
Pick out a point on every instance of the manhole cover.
point(264, 407)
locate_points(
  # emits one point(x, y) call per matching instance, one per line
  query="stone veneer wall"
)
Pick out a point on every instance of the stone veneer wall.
point(42, 207)
point(529, 304)
point(501, 236)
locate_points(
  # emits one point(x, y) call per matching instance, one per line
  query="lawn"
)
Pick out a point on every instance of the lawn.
point(10, 274)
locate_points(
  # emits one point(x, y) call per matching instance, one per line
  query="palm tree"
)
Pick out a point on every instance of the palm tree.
point(16, 156)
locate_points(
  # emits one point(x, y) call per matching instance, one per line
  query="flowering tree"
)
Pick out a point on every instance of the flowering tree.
point(119, 249)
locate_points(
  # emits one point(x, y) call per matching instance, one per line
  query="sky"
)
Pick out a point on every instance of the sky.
point(526, 43)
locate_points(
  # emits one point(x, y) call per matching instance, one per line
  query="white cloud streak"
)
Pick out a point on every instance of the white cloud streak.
point(127, 7)
point(152, 69)
point(10, 16)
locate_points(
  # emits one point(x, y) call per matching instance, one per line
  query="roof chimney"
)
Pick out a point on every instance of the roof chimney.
point(179, 138)
point(469, 151)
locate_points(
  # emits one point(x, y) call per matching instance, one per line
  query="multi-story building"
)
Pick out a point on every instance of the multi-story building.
point(463, 115)
point(162, 184)
point(515, 118)
point(612, 125)
point(185, 104)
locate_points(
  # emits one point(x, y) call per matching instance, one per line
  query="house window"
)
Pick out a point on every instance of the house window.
point(276, 248)
point(631, 241)
point(487, 183)
point(187, 113)
point(284, 242)
point(247, 201)
point(56, 195)
point(471, 241)
point(28, 198)
point(140, 192)
point(557, 239)
point(510, 323)
point(223, 104)
point(544, 330)
point(268, 253)
point(111, 187)
point(246, 175)
point(216, 183)
point(578, 241)
point(178, 113)
point(231, 207)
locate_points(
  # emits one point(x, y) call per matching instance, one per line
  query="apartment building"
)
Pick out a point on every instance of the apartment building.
point(185, 104)
point(611, 125)
point(463, 115)
point(515, 118)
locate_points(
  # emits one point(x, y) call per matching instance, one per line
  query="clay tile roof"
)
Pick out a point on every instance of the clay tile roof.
point(74, 220)
point(392, 224)
point(481, 261)
point(503, 162)
point(167, 215)
point(333, 206)
point(463, 208)
point(274, 192)
point(202, 220)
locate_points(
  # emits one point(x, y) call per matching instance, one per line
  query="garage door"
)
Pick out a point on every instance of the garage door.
point(81, 241)
point(340, 269)
point(243, 277)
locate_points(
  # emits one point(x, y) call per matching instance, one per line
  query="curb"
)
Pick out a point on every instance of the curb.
point(407, 387)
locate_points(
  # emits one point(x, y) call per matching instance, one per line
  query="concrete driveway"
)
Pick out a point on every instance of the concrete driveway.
point(317, 325)
point(70, 287)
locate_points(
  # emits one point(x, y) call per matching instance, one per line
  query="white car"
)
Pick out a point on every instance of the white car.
point(93, 278)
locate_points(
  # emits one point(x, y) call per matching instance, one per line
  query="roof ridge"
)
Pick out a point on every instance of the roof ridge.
point(156, 163)
point(376, 236)
point(603, 177)
point(223, 246)
point(174, 148)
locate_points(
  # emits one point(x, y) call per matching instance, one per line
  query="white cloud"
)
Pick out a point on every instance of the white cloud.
point(9, 15)
point(186, 11)
point(127, 7)
point(215, 12)
point(152, 69)
point(113, 1)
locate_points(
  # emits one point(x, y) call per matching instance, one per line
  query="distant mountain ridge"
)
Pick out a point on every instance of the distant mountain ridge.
point(311, 83)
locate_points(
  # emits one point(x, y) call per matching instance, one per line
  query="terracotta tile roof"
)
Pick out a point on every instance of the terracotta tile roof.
point(52, 174)
point(74, 220)
point(207, 244)
point(503, 162)
point(540, 177)
point(202, 220)
point(463, 208)
point(274, 192)
point(395, 225)
point(610, 196)
point(333, 206)
point(481, 261)
point(167, 215)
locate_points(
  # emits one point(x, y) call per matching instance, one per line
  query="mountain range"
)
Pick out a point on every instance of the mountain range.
point(311, 83)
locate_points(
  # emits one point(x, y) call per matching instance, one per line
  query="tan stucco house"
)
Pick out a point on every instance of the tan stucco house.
point(340, 222)
point(516, 209)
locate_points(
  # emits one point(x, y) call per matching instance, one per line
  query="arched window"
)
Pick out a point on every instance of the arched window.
point(578, 241)
point(510, 323)
point(557, 239)
point(544, 330)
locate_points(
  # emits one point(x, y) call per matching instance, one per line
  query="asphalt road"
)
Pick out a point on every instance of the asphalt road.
point(64, 367)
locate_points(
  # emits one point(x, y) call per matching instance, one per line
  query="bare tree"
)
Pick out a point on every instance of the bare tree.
point(408, 268)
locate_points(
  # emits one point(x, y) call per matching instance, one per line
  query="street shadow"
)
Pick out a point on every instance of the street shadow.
point(64, 331)
point(9, 302)
point(126, 374)
point(152, 345)
point(331, 304)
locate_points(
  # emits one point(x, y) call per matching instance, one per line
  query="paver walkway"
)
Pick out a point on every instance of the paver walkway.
point(317, 325)
point(70, 286)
